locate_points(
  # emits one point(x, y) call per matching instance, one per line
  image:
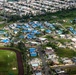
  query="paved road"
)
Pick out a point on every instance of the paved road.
point(63, 66)
point(46, 68)
point(19, 60)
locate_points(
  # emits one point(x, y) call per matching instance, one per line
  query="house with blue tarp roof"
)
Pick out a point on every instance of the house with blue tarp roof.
point(33, 54)
point(71, 21)
point(6, 35)
point(59, 31)
point(25, 26)
point(34, 37)
point(38, 33)
point(21, 36)
point(71, 29)
point(41, 27)
point(5, 41)
point(52, 26)
point(31, 36)
point(2, 32)
point(74, 32)
point(24, 31)
point(31, 23)
point(33, 51)
point(18, 26)
point(48, 31)
point(34, 25)
point(34, 31)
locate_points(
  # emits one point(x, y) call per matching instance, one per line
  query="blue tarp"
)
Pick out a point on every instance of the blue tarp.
point(32, 49)
point(18, 26)
point(31, 36)
point(5, 40)
point(33, 54)
point(2, 32)
point(21, 36)
point(59, 31)
point(48, 31)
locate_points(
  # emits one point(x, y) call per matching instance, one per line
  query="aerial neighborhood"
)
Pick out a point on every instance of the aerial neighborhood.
point(37, 46)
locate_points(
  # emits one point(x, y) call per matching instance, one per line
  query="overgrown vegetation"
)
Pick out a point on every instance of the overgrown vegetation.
point(62, 52)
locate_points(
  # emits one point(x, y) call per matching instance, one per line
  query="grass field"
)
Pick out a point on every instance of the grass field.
point(8, 63)
point(65, 52)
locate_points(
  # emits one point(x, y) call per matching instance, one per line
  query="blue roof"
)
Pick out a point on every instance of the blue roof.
point(32, 49)
point(71, 28)
point(71, 21)
point(18, 26)
point(31, 36)
point(74, 32)
point(59, 31)
point(21, 36)
point(30, 22)
point(41, 26)
point(34, 25)
point(2, 32)
point(25, 26)
point(6, 35)
point(5, 40)
point(33, 54)
point(48, 31)
point(38, 33)
point(24, 31)
point(15, 30)
point(34, 31)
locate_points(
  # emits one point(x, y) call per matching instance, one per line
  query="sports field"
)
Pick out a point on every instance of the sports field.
point(8, 63)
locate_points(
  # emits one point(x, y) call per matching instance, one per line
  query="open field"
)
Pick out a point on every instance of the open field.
point(8, 63)
point(65, 52)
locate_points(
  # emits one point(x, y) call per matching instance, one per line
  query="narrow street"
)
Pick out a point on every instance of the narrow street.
point(46, 68)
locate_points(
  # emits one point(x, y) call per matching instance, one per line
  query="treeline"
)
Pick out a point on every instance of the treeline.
point(60, 14)
point(42, 17)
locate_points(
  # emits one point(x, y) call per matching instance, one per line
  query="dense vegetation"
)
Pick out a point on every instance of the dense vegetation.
point(62, 52)
point(43, 17)
point(60, 14)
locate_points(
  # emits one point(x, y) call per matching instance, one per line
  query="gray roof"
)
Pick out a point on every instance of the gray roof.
point(39, 73)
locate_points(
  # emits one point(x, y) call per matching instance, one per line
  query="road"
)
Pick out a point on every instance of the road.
point(46, 68)
point(63, 66)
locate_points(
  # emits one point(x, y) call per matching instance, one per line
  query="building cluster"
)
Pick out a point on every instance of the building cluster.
point(35, 34)
point(36, 7)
